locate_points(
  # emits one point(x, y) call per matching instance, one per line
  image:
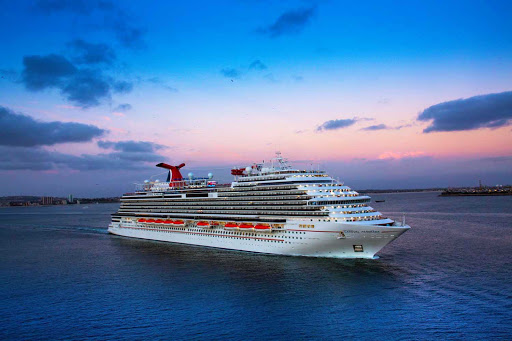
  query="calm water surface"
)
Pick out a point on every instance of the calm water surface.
point(450, 277)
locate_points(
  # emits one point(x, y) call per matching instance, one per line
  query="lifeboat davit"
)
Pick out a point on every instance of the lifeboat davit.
point(203, 224)
point(168, 221)
point(231, 226)
point(150, 221)
point(263, 228)
point(246, 227)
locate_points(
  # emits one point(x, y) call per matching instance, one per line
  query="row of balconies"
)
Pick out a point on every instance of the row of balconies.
point(257, 188)
point(338, 202)
point(260, 177)
point(262, 213)
point(223, 199)
point(260, 193)
point(252, 207)
point(215, 203)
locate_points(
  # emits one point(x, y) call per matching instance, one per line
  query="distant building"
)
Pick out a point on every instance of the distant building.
point(46, 200)
point(70, 198)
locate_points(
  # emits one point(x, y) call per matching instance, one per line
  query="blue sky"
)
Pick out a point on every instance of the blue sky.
point(424, 87)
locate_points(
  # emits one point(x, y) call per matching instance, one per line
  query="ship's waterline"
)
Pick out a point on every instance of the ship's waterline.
point(268, 208)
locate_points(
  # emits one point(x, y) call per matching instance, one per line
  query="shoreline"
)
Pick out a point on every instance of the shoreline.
point(475, 194)
point(401, 191)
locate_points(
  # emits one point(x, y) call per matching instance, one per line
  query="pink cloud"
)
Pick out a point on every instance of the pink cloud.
point(398, 155)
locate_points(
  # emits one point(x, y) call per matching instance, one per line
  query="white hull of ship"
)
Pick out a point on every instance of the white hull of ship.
point(326, 239)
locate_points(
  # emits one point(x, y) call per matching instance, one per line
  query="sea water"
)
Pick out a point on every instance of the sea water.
point(62, 276)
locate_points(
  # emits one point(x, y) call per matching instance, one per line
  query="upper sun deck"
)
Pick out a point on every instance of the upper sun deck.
point(276, 170)
point(176, 185)
point(287, 172)
point(281, 175)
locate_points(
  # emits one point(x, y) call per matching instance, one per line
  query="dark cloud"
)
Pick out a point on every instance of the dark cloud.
point(291, 22)
point(257, 65)
point(23, 130)
point(38, 159)
point(230, 73)
point(128, 155)
point(22, 158)
point(90, 53)
point(84, 87)
point(40, 72)
point(484, 111)
point(337, 124)
point(124, 107)
point(384, 127)
point(115, 18)
point(376, 127)
point(131, 146)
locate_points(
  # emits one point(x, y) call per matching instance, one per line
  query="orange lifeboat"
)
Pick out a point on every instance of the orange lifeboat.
point(159, 221)
point(203, 224)
point(262, 228)
point(246, 227)
point(231, 226)
point(167, 221)
point(178, 222)
point(214, 223)
point(150, 221)
point(142, 220)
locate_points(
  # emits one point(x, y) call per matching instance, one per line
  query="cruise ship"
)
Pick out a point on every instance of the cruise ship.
point(269, 207)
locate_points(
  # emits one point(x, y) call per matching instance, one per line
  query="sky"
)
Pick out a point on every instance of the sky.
point(381, 94)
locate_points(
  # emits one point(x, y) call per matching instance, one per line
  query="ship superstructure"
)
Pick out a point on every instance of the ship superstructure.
point(269, 207)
